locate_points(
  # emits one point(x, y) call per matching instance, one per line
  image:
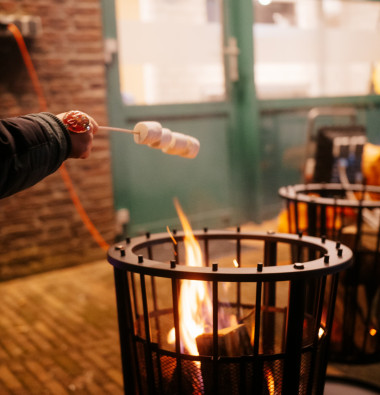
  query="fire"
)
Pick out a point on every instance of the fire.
point(270, 382)
point(373, 332)
point(195, 306)
point(171, 235)
point(195, 303)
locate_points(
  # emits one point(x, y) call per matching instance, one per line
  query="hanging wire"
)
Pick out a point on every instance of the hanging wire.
point(43, 107)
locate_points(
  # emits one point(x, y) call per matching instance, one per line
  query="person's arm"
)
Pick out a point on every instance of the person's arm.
point(34, 146)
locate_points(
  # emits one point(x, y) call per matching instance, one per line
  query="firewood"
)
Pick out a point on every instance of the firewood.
point(232, 341)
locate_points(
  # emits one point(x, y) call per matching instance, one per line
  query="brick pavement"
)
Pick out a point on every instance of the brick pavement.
point(58, 333)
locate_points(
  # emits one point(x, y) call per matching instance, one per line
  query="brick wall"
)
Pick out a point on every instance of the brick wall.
point(39, 228)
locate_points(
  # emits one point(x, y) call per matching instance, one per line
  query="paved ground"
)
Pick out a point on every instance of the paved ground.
point(59, 335)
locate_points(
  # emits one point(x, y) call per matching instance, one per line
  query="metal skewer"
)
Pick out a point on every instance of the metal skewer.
point(117, 129)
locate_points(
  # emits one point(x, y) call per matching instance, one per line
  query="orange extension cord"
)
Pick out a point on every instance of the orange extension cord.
point(43, 107)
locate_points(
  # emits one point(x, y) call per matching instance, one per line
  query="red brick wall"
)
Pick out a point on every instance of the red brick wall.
point(40, 228)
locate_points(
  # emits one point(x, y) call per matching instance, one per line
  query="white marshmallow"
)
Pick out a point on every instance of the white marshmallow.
point(193, 146)
point(178, 144)
point(148, 132)
point(165, 140)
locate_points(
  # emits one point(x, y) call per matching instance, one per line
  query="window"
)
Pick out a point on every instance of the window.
point(170, 51)
point(311, 48)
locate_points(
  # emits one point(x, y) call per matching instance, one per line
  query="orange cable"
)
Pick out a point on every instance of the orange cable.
point(29, 65)
point(43, 107)
point(81, 211)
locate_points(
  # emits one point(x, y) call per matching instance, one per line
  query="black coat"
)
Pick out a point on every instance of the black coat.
point(31, 147)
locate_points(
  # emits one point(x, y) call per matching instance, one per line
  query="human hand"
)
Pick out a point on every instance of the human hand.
point(81, 143)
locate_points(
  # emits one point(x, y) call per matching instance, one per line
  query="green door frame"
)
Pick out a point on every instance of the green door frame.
point(244, 109)
point(241, 107)
point(239, 17)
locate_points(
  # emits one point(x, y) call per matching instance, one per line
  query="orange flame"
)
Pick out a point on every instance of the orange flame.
point(195, 303)
point(195, 306)
point(171, 235)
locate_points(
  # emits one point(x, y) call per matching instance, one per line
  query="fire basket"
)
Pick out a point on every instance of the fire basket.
point(256, 318)
point(349, 214)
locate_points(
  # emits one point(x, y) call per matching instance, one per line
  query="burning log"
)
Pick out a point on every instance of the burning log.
point(232, 341)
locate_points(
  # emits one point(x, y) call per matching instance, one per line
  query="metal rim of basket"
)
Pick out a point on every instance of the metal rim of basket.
point(300, 193)
point(334, 258)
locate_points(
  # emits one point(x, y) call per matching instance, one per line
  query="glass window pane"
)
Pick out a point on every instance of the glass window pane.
point(310, 48)
point(170, 51)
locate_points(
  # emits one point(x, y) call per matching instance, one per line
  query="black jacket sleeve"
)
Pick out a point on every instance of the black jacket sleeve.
point(31, 147)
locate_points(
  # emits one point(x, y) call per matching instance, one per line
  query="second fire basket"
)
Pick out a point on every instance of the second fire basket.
point(226, 312)
point(349, 214)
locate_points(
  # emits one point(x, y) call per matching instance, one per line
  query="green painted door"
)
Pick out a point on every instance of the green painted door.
point(179, 63)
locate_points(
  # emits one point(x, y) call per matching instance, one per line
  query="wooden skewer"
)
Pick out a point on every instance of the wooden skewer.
point(117, 129)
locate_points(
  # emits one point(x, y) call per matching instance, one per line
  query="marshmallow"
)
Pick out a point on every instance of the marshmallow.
point(148, 132)
point(165, 140)
point(193, 146)
point(153, 134)
point(178, 144)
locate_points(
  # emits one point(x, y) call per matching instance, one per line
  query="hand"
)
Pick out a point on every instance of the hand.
point(81, 143)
